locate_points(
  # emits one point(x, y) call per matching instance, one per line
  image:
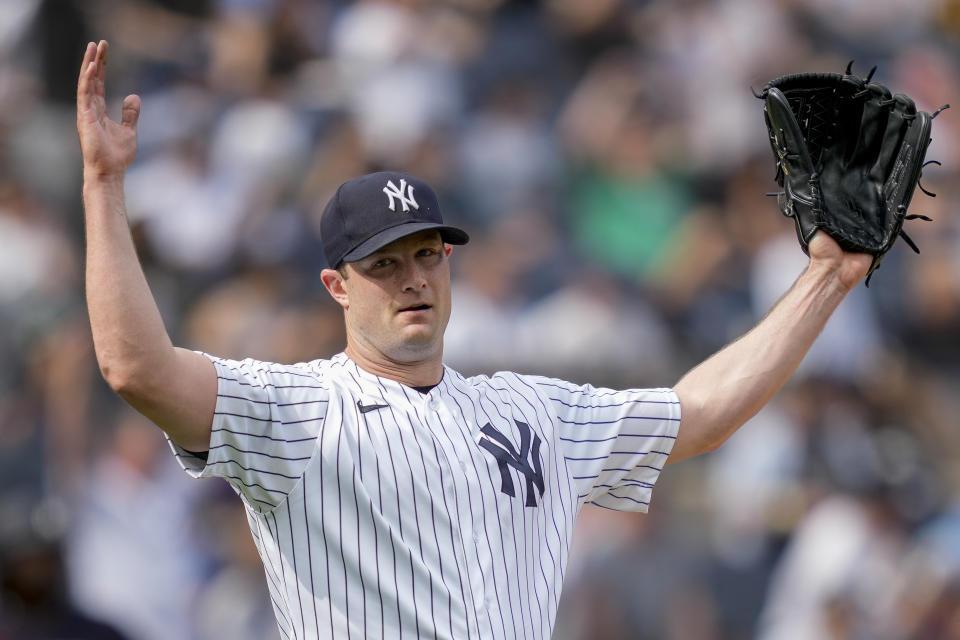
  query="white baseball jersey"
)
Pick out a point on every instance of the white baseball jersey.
point(383, 512)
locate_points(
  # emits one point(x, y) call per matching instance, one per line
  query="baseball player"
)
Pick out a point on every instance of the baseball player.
point(388, 495)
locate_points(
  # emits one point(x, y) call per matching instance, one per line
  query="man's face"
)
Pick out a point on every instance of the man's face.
point(397, 300)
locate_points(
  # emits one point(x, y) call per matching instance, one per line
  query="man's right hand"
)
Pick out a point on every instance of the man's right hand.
point(108, 147)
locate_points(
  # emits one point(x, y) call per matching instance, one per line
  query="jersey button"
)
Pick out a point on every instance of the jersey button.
point(432, 404)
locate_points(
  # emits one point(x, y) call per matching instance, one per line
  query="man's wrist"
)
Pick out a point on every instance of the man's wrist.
point(831, 276)
point(102, 192)
point(93, 177)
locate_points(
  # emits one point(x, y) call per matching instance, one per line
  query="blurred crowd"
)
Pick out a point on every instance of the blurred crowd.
point(610, 162)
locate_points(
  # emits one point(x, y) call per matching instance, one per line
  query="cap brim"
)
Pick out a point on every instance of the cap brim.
point(450, 235)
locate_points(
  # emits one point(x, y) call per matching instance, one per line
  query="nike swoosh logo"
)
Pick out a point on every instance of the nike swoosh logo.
point(366, 408)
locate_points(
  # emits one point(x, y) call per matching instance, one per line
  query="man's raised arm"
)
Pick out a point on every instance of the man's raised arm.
point(175, 388)
point(727, 389)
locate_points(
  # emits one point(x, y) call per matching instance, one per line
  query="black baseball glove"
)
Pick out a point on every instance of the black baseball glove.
point(848, 157)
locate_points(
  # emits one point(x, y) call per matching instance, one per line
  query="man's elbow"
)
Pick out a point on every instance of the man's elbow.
point(701, 432)
point(716, 430)
point(705, 426)
point(713, 443)
point(129, 382)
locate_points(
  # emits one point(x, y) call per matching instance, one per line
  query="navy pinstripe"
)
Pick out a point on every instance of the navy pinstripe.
point(435, 542)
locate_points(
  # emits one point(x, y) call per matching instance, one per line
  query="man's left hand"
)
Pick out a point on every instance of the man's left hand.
point(850, 268)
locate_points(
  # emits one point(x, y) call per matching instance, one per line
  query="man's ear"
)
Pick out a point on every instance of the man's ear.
point(333, 281)
point(447, 249)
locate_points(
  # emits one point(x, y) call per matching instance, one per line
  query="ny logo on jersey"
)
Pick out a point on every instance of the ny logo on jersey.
point(497, 445)
point(406, 199)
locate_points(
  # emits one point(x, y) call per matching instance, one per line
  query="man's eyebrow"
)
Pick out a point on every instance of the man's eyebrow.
point(414, 246)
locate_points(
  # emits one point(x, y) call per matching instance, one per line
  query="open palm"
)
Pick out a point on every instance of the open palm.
point(108, 147)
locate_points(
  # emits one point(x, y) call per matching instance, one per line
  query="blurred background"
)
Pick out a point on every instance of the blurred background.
point(609, 160)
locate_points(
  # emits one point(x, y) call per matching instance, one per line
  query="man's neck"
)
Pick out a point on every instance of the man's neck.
point(413, 374)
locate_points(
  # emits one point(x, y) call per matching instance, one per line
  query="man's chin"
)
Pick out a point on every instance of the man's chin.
point(415, 347)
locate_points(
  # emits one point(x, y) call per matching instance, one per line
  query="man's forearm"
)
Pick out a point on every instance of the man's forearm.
point(730, 387)
point(128, 331)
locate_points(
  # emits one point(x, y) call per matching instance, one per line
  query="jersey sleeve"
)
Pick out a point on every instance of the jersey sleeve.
point(265, 425)
point(614, 443)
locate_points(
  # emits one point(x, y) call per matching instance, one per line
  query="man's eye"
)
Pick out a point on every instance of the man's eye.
point(428, 252)
point(382, 262)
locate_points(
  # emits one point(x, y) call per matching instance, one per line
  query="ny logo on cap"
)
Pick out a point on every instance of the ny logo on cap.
point(406, 200)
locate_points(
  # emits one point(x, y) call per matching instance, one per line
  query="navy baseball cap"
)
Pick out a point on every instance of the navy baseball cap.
point(370, 212)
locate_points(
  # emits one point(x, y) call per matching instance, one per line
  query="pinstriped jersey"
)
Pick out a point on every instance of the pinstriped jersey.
point(383, 512)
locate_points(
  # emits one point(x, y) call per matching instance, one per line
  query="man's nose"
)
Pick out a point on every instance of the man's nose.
point(414, 277)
